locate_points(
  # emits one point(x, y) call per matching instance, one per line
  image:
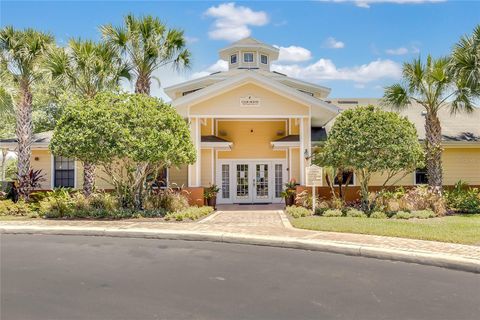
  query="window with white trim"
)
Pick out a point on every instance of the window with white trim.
point(278, 180)
point(233, 59)
point(421, 176)
point(345, 175)
point(225, 181)
point(264, 59)
point(248, 57)
point(64, 172)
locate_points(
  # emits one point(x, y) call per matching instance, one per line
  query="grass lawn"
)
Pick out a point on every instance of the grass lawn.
point(457, 229)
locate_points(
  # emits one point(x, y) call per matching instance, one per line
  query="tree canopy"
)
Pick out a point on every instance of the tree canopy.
point(369, 140)
point(130, 135)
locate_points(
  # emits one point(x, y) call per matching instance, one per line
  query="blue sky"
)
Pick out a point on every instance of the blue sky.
point(353, 47)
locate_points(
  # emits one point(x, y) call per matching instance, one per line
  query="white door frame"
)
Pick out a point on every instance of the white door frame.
point(232, 179)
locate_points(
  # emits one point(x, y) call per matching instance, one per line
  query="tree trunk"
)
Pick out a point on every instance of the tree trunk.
point(24, 135)
point(4, 162)
point(433, 139)
point(88, 178)
point(142, 85)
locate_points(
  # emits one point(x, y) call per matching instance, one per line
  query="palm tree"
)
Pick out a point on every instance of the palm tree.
point(465, 62)
point(87, 68)
point(147, 45)
point(7, 114)
point(21, 52)
point(432, 86)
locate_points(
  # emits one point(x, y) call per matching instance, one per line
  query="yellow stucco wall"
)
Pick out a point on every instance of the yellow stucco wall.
point(207, 170)
point(207, 127)
point(248, 144)
point(461, 164)
point(294, 126)
point(228, 103)
point(458, 163)
point(43, 163)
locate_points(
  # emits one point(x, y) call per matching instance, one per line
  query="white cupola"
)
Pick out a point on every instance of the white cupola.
point(249, 53)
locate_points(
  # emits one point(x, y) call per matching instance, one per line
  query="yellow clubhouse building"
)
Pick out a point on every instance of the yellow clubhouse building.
point(255, 129)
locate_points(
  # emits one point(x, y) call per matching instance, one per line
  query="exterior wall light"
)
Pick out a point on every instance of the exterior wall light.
point(307, 154)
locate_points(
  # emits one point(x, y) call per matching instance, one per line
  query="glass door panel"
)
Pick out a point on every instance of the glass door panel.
point(242, 192)
point(225, 181)
point(278, 180)
point(261, 181)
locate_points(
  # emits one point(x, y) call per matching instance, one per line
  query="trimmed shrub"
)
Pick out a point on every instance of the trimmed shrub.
point(191, 213)
point(355, 213)
point(463, 198)
point(21, 208)
point(167, 199)
point(418, 198)
point(298, 212)
point(403, 215)
point(378, 215)
point(304, 199)
point(333, 213)
point(423, 214)
point(103, 201)
point(57, 204)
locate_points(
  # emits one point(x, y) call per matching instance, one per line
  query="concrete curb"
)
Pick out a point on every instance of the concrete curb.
point(424, 258)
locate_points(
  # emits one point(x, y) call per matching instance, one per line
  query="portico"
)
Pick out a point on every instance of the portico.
point(251, 127)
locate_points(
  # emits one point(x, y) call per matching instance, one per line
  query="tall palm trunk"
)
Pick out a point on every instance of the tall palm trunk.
point(433, 136)
point(142, 85)
point(88, 178)
point(24, 136)
point(4, 162)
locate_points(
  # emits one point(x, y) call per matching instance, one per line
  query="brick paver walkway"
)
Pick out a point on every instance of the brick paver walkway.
point(265, 223)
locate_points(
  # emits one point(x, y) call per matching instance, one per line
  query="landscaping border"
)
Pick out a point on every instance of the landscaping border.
point(430, 259)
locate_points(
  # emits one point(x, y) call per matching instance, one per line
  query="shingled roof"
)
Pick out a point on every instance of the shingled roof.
point(38, 138)
point(459, 127)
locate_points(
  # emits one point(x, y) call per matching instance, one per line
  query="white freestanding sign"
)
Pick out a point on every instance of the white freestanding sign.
point(314, 178)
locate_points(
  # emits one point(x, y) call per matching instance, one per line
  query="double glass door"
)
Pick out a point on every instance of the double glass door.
point(251, 181)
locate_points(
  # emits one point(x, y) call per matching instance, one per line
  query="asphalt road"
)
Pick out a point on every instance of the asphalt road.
point(68, 277)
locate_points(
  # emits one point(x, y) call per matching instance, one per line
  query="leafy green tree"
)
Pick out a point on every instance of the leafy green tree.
point(431, 86)
point(147, 45)
point(371, 141)
point(130, 136)
point(21, 54)
point(87, 68)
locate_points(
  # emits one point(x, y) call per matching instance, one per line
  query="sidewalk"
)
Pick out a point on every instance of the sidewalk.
point(265, 228)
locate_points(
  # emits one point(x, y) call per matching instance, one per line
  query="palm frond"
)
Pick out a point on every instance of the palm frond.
point(396, 97)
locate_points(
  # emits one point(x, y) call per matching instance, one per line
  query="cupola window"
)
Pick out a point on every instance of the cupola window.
point(264, 59)
point(233, 59)
point(248, 57)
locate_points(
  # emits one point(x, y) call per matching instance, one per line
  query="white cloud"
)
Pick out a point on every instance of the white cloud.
point(220, 65)
point(293, 54)
point(367, 3)
point(325, 69)
point(398, 51)
point(191, 40)
point(231, 21)
point(402, 51)
point(332, 43)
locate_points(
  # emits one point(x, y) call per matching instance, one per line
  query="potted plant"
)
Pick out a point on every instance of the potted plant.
point(210, 195)
point(289, 193)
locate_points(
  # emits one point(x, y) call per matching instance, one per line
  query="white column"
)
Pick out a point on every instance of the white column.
point(194, 169)
point(199, 152)
point(302, 150)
